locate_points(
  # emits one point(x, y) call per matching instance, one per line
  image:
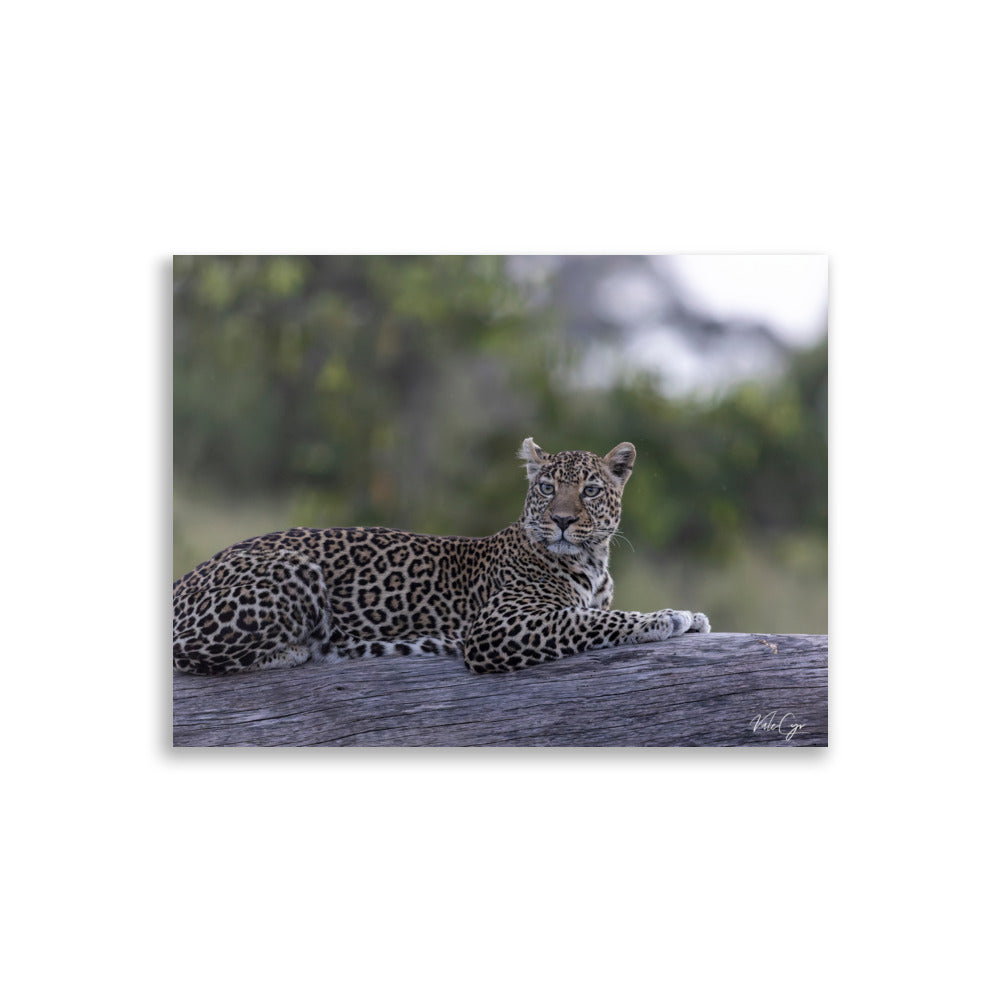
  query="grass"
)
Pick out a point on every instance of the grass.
point(206, 523)
point(768, 585)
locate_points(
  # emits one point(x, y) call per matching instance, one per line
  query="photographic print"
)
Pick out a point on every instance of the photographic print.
point(500, 501)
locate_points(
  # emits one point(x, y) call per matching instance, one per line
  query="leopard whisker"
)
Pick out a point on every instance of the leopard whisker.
point(617, 536)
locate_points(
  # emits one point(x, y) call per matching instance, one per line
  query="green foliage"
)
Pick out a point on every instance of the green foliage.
point(395, 390)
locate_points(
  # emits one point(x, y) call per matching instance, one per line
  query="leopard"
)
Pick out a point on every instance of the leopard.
point(534, 592)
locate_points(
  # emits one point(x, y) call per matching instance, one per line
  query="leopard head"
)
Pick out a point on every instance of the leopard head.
point(574, 498)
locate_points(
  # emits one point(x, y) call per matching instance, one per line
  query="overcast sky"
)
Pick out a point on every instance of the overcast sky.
point(787, 290)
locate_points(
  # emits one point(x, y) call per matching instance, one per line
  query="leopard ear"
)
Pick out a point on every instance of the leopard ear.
point(532, 456)
point(620, 460)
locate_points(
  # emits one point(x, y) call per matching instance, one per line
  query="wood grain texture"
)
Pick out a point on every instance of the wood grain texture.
point(695, 690)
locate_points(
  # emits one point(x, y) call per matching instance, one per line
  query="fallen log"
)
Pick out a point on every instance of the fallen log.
point(721, 689)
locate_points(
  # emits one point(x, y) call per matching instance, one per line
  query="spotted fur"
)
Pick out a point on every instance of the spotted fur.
point(536, 591)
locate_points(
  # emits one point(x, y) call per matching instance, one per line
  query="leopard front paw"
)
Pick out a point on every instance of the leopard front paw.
point(700, 623)
point(670, 622)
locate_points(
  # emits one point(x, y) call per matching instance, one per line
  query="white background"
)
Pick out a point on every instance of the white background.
point(864, 131)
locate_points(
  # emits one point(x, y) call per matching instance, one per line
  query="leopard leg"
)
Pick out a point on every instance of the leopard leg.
point(505, 636)
point(254, 622)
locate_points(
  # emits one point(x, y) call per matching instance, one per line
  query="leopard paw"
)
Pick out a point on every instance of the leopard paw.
point(700, 623)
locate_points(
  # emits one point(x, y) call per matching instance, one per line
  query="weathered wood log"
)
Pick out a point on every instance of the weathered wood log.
point(721, 689)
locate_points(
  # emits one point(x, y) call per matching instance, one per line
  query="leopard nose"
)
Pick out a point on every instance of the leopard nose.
point(563, 522)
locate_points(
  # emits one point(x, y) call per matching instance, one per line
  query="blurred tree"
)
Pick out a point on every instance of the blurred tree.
point(395, 390)
point(368, 384)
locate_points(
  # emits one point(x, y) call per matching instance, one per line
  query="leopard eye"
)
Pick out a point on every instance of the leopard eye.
point(546, 489)
point(591, 491)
